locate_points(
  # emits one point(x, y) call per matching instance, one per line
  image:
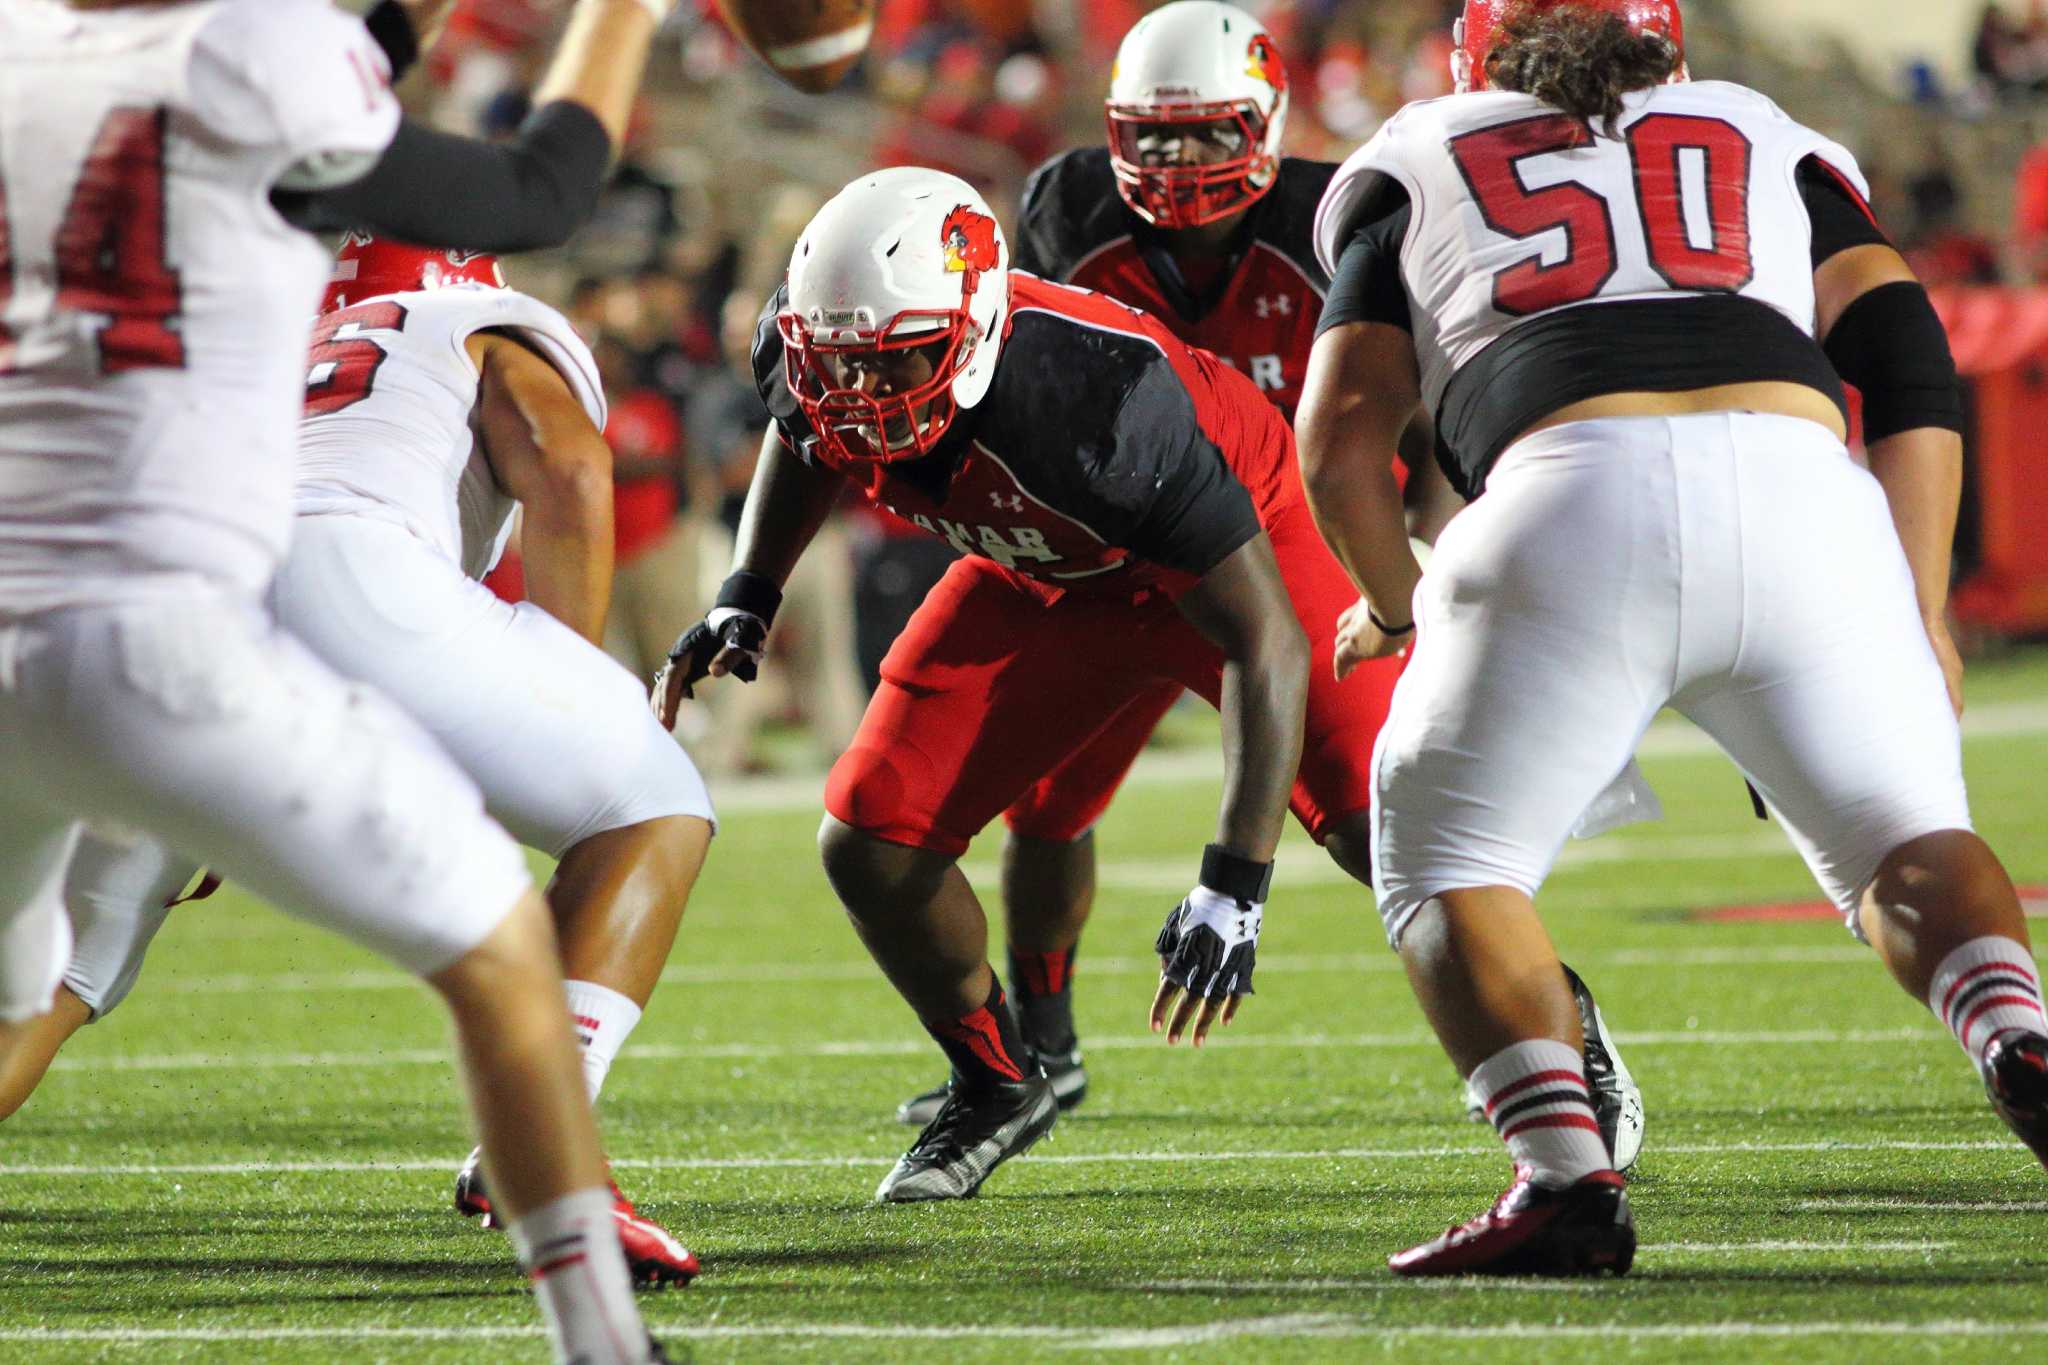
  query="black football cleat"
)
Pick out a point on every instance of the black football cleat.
point(656, 1259)
point(472, 1200)
point(973, 1133)
point(2016, 1078)
point(1584, 1229)
point(1617, 1103)
point(1065, 1070)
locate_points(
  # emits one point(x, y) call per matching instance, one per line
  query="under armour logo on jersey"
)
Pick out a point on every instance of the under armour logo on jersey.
point(1273, 305)
point(1012, 503)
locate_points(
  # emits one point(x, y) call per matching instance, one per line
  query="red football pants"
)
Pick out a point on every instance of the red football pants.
point(993, 700)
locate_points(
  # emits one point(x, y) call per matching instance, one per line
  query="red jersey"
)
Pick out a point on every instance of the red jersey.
point(1258, 313)
point(1108, 454)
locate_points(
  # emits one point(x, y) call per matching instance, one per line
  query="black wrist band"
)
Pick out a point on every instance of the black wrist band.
point(753, 593)
point(1384, 628)
point(1232, 874)
point(391, 26)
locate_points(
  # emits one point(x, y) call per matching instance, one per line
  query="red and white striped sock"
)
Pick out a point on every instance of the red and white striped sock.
point(1987, 987)
point(1536, 1097)
point(604, 1019)
point(570, 1248)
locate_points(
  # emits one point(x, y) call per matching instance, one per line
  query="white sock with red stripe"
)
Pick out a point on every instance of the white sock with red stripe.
point(604, 1019)
point(570, 1248)
point(1987, 987)
point(1537, 1099)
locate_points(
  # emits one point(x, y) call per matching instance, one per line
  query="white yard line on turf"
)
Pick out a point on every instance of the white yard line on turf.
point(1477, 1147)
point(917, 1047)
point(1302, 1325)
point(1851, 1205)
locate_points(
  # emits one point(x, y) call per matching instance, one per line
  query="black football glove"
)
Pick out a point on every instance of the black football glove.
point(739, 621)
point(1210, 943)
point(725, 628)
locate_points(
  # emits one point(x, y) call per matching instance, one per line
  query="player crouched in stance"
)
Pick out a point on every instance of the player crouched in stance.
point(1082, 460)
point(1619, 294)
point(1191, 214)
point(438, 403)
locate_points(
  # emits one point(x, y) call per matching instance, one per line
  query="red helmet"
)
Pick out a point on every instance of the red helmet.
point(368, 266)
point(1480, 28)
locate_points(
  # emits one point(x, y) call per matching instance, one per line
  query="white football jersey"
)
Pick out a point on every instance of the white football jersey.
point(1518, 210)
point(389, 393)
point(152, 305)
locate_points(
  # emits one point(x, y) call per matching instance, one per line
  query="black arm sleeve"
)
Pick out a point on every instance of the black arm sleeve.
point(435, 189)
point(1890, 344)
point(391, 26)
point(1840, 217)
point(1367, 286)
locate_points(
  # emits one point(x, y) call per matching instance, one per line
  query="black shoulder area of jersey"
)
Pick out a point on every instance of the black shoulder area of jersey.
point(771, 380)
point(1070, 208)
point(1097, 425)
point(1286, 218)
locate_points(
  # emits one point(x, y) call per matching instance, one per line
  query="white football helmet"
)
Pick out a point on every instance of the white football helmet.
point(899, 295)
point(1195, 68)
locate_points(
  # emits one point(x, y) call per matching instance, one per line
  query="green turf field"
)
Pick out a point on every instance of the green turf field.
point(252, 1160)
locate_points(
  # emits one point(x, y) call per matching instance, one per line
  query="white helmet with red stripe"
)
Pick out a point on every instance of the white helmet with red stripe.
point(899, 294)
point(1195, 68)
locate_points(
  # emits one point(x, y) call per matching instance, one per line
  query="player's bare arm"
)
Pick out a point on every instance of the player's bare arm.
point(1920, 467)
point(788, 502)
point(1359, 395)
point(548, 454)
point(1241, 606)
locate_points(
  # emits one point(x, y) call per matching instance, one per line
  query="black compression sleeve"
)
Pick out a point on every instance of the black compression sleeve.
point(1890, 344)
point(1366, 286)
point(1840, 217)
point(436, 189)
point(391, 26)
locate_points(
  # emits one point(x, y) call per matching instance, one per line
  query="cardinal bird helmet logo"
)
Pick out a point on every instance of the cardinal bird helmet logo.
point(1262, 60)
point(969, 239)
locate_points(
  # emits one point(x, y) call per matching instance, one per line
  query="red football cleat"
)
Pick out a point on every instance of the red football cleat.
point(2015, 1071)
point(656, 1259)
point(1584, 1229)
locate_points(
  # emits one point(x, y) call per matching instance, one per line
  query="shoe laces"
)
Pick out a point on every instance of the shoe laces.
point(942, 1138)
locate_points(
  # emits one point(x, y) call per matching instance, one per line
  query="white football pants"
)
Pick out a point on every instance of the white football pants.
point(193, 718)
point(557, 736)
point(1738, 567)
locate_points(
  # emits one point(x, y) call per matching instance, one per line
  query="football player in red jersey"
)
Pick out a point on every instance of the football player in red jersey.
point(1191, 214)
point(1119, 499)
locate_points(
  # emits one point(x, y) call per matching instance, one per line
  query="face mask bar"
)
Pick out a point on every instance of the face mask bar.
point(853, 424)
point(1188, 196)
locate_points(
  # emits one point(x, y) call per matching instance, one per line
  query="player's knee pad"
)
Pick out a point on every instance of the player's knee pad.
point(891, 794)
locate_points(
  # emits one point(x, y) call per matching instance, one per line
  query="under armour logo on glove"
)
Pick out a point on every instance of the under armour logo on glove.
point(1209, 944)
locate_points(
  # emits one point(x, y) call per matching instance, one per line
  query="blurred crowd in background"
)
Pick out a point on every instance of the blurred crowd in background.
point(724, 166)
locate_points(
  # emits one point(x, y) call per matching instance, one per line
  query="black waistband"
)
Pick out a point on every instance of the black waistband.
point(1648, 345)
